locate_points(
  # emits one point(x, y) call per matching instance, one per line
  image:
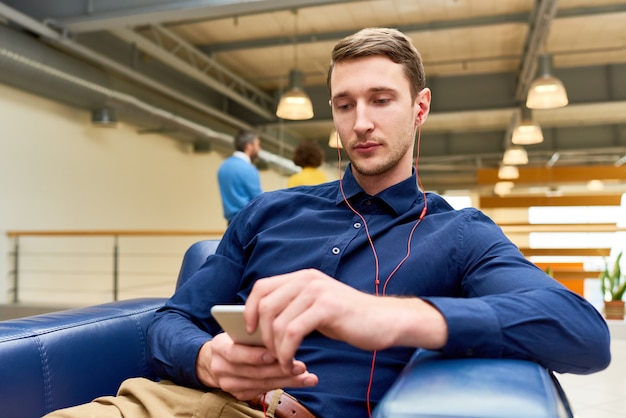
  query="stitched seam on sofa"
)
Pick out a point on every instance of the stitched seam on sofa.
point(46, 374)
point(27, 333)
point(140, 335)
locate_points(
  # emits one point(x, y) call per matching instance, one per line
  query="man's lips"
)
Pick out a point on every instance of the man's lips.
point(366, 147)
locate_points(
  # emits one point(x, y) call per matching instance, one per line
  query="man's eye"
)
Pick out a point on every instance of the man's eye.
point(381, 101)
point(343, 106)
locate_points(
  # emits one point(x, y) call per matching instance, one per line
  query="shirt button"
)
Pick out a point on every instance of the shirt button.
point(368, 203)
point(336, 250)
point(357, 225)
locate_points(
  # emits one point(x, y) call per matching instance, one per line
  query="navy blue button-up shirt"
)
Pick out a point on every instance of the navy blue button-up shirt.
point(495, 302)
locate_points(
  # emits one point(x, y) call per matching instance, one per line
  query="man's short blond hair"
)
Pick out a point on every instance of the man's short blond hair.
point(382, 41)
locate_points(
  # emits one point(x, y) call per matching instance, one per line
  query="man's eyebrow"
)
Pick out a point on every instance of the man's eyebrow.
point(380, 89)
point(339, 95)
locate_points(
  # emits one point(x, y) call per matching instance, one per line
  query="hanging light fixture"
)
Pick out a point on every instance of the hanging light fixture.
point(547, 91)
point(515, 155)
point(595, 185)
point(527, 131)
point(508, 172)
point(333, 140)
point(295, 104)
point(502, 188)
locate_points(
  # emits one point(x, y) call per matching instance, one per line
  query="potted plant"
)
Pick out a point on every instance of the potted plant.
point(613, 286)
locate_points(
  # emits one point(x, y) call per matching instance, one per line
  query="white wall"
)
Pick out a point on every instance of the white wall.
point(58, 172)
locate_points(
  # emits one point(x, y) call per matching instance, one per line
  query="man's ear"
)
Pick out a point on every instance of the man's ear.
point(422, 101)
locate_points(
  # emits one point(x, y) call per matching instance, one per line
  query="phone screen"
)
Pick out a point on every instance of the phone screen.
point(230, 318)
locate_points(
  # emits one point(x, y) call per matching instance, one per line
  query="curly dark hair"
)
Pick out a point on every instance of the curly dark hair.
point(308, 154)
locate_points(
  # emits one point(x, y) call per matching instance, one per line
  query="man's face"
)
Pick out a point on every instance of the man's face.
point(375, 116)
point(253, 148)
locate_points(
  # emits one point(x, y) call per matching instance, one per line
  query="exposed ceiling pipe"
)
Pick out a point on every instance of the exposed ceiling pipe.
point(62, 41)
point(89, 89)
point(197, 65)
point(107, 94)
point(539, 29)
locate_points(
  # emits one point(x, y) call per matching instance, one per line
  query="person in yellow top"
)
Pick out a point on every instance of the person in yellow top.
point(309, 156)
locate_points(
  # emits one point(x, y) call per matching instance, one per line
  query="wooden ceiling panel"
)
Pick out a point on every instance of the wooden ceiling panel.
point(580, 40)
point(483, 49)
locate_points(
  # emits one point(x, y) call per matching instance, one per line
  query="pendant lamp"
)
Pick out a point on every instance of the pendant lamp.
point(515, 155)
point(333, 140)
point(547, 91)
point(595, 185)
point(295, 104)
point(502, 188)
point(527, 132)
point(508, 172)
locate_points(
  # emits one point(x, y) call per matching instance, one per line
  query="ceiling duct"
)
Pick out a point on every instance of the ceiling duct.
point(27, 64)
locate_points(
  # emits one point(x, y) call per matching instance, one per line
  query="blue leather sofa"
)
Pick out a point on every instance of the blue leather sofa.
point(66, 358)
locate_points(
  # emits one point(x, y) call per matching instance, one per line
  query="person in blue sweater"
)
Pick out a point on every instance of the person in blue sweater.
point(347, 279)
point(237, 177)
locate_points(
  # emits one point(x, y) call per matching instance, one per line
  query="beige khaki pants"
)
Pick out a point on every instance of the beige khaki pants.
point(143, 398)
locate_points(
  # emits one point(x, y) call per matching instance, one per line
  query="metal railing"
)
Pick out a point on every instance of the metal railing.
point(43, 255)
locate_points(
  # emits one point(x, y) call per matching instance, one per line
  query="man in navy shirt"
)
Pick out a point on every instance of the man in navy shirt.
point(347, 279)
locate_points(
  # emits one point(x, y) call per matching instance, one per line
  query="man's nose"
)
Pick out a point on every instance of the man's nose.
point(363, 121)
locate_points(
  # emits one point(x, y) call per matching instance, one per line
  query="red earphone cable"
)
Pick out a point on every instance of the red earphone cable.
point(371, 242)
point(419, 220)
point(367, 232)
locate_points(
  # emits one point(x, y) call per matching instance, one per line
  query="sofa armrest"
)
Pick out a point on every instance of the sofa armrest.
point(65, 358)
point(432, 386)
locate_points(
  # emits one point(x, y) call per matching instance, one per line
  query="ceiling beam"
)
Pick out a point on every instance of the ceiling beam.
point(578, 227)
point(79, 16)
point(544, 175)
point(580, 275)
point(336, 35)
point(576, 252)
point(174, 51)
point(304, 38)
point(493, 202)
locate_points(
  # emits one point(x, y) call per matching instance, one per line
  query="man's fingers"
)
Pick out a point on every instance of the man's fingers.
point(260, 290)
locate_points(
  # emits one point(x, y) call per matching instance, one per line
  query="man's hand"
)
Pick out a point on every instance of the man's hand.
point(290, 306)
point(246, 371)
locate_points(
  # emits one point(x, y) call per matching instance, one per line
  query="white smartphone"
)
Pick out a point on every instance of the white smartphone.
point(230, 318)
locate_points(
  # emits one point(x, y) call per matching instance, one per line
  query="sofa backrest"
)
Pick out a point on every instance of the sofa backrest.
point(194, 258)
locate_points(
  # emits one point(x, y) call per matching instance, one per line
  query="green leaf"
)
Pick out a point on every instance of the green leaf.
point(619, 292)
point(612, 282)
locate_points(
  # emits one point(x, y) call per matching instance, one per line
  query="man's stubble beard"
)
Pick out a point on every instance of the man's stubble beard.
point(390, 161)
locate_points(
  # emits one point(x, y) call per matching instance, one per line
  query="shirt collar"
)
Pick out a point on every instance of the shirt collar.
point(400, 197)
point(243, 156)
